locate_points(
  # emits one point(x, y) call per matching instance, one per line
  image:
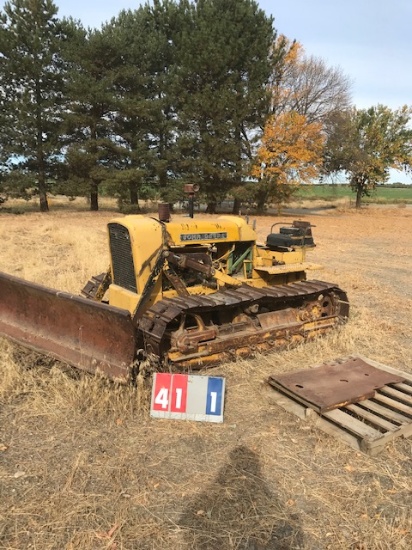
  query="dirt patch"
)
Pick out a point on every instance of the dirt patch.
point(82, 465)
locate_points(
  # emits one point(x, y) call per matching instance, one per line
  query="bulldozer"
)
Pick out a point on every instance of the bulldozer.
point(186, 295)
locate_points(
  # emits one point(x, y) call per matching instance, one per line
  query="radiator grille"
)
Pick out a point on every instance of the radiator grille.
point(122, 258)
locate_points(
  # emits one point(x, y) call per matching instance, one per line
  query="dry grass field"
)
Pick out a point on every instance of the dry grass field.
point(82, 465)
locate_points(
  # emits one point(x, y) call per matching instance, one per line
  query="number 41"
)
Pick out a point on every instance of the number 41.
point(162, 398)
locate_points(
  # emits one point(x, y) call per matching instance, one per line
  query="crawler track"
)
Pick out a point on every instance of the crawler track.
point(192, 332)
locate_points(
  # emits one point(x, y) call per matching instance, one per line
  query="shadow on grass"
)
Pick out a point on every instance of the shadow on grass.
point(239, 511)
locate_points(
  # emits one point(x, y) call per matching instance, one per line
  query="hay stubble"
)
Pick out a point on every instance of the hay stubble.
point(82, 466)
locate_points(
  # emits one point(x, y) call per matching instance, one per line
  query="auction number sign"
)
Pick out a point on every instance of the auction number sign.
point(188, 397)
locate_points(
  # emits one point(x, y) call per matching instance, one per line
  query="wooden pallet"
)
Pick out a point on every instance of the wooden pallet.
point(367, 425)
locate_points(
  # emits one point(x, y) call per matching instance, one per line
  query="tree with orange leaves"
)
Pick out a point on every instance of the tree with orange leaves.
point(305, 96)
point(290, 154)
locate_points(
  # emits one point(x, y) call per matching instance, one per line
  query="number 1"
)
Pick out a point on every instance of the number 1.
point(213, 399)
point(179, 392)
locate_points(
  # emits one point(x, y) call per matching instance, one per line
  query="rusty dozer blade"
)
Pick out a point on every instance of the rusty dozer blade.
point(88, 335)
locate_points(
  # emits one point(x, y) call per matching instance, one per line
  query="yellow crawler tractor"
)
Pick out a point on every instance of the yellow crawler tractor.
point(189, 294)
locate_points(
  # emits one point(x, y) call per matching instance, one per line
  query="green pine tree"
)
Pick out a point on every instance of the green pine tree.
point(146, 115)
point(91, 152)
point(223, 70)
point(32, 81)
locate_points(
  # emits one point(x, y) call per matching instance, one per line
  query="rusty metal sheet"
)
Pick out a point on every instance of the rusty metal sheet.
point(334, 384)
point(88, 335)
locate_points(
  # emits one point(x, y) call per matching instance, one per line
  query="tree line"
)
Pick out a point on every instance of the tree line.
point(179, 92)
